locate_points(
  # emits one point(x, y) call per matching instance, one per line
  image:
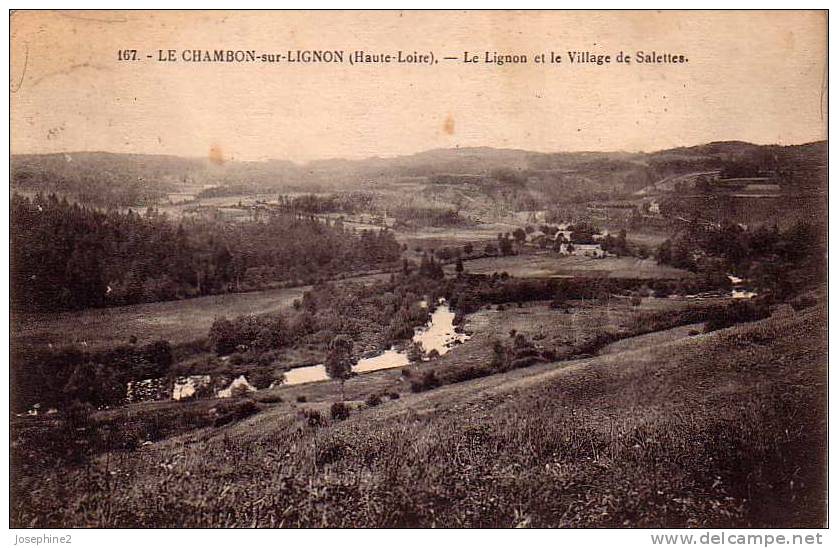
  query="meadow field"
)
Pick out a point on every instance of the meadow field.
point(548, 264)
point(175, 321)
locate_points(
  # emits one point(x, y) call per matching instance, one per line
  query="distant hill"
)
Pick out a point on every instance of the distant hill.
point(105, 178)
point(137, 179)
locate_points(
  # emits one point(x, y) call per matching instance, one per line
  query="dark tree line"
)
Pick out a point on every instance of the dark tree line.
point(68, 256)
point(56, 377)
point(346, 202)
point(782, 261)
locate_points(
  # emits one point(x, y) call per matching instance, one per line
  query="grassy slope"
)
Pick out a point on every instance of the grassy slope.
point(726, 429)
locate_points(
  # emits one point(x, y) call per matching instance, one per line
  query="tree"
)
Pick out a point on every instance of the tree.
point(505, 245)
point(222, 335)
point(468, 249)
point(664, 252)
point(520, 235)
point(622, 244)
point(459, 267)
point(339, 361)
point(415, 352)
point(159, 356)
point(500, 355)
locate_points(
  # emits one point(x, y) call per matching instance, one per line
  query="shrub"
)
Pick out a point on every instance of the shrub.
point(313, 417)
point(500, 356)
point(804, 301)
point(415, 352)
point(468, 373)
point(428, 381)
point(239, 410)
point(222, 336)
point(339, 411)
point(269, 398)
point(527, 361)
point(373, 400)
point(301, 399)
point(394, 395)
point(735, 313)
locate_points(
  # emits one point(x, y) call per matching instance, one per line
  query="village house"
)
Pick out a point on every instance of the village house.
point(654, 208)
point(564, 234)
point(239, 386)
point(582, 250)
point(146, 390)
point(191, 386)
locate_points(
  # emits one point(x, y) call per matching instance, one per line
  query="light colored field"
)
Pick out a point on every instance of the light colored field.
point(175, 321)
point(551, 265)
point(439, 237)
point(649, 238)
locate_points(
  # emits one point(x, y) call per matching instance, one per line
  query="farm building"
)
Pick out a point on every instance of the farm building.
point(585, 250)
point(146, 390)
point(191, 386)
point(239, 386)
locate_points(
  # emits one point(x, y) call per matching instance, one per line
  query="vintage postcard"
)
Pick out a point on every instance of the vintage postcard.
point(425, 269)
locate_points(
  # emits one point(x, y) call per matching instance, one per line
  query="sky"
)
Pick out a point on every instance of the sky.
point(751, 76)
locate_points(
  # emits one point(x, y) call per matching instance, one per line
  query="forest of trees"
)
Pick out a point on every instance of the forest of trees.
point(67, 256)
point(345, 202)
point(55, 377)
point(782, 261)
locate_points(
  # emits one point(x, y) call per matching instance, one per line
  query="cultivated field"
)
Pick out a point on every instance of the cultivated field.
point(550, 265)
point(430, 238)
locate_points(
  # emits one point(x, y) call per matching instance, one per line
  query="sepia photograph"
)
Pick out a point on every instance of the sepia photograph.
point(472, 269)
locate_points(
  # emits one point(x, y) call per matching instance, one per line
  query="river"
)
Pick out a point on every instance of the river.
point(439, 334)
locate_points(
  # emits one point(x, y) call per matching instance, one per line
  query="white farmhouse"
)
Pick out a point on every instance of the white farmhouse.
point(584, 250)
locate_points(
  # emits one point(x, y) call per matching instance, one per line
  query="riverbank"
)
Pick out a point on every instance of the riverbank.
point(437, 336)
